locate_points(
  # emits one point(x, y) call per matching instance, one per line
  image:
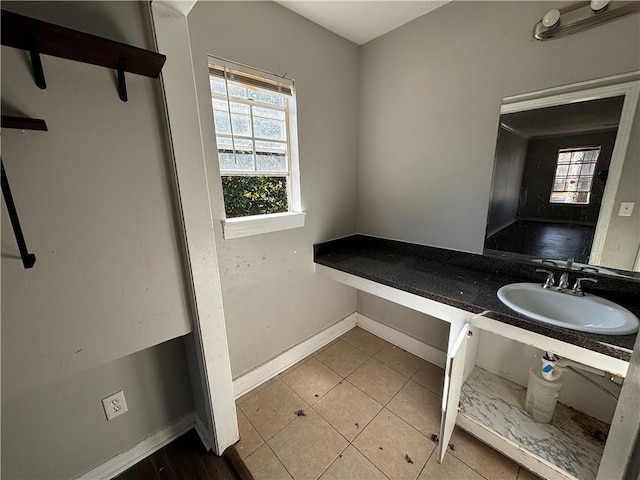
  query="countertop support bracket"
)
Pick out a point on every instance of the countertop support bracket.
point(20, 123)
point(36, 62)
point(28, 259)
point(122, 84)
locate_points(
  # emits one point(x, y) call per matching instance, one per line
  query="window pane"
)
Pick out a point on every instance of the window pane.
point(254, 195)
point(267, 97)
point(237, 90)
point(243, 158)
point(217, 85)
point(220, 105)
point(584, 184)
point(587, 169)
point(221, 122)
point(559, 185)
point(268, 113)
point(581, 197)
point(574, 169)
point(271, 157)
point(240, 108)
point(241, 124)
point(591, 155)
point(572, 184)
point(268, 128)
point(577, 157)
point(564, 157)
point(562, 170)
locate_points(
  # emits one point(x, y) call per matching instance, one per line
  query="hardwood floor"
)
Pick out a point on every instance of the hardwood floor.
point(545, 240)
point(186, 459)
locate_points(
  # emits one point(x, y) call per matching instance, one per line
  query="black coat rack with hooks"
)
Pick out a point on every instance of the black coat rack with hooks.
point(38, 37)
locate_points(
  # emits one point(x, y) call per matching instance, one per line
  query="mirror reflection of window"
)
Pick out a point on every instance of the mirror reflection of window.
point(561, 171)
point(574, 175)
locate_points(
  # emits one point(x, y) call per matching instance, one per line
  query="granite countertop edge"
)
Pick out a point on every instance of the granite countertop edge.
point(446, 277)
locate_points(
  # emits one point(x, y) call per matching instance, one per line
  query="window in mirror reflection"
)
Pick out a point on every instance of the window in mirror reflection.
point(574, 174)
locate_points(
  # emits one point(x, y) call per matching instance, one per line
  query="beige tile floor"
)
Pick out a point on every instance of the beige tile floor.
point(369, 410)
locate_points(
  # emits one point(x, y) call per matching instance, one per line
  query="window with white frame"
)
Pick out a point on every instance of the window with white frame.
point(254, 119)
point(573, 178)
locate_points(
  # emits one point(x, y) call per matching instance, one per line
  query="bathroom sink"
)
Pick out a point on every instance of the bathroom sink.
point(589, 313)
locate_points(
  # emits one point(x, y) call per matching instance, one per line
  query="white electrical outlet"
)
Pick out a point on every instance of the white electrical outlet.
point(114, 405)
point(625, 209)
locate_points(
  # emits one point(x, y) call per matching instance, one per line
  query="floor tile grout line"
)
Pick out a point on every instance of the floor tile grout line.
point(343, 379)
point(370, 461)
point(338, 373)
point(256, 430)
point(395, 369)
point(331, 426)
point(279, 430)
point(359, 429)
point(324, 394)
point(279, 460)
point(335, 459)
point(428, 458)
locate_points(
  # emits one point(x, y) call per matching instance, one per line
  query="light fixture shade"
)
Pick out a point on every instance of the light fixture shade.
point(583, 15)
point(597, 5)
point(551, 18)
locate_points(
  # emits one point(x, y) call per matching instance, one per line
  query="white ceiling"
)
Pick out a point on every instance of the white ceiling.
point(363, 20)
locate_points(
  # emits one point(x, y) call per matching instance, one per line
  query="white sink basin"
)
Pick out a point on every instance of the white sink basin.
point(586, 314)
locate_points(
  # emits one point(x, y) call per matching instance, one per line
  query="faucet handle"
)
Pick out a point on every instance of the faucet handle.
point(549, 281)
point(577, 287)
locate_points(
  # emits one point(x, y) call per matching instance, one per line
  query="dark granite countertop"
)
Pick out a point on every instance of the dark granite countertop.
point(470, 282)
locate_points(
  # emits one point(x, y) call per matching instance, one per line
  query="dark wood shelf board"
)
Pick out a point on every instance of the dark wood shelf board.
point(75, 45)
point(24, 123)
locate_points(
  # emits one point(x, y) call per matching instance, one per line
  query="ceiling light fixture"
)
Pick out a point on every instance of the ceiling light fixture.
point(573, 19)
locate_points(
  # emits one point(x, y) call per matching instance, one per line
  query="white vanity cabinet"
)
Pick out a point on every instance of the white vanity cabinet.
point(490, 406)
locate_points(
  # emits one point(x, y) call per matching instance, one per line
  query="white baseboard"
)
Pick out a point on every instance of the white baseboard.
point(501, 227)
point(402, 340)
point(154, 442)
point(256, 377)
point(273, 367)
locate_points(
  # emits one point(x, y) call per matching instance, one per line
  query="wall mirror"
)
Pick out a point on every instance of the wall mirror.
point(566, 179)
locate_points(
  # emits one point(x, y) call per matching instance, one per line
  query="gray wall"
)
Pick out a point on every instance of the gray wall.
point(430, 94)
point(540, 169)
point(511, 153)
point(427, 329)
point(95, 198)
point(272, 297)
point(430, 97)
point(59, 430)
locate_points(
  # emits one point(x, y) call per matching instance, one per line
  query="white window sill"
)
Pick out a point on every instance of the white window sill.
point(257, 224)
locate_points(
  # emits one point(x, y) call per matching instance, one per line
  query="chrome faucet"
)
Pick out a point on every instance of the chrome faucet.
point(569, 263)
point(563, 284)
point(549, 282)
point(577, 287)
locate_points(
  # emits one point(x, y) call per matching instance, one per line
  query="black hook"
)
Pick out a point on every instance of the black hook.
point(36, 63)
point(122, 85)
point(28, 259)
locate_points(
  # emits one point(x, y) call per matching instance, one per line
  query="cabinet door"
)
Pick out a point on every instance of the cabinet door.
point(453, 379)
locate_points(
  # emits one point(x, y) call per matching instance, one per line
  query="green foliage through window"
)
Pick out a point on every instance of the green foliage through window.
point(248, 195)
